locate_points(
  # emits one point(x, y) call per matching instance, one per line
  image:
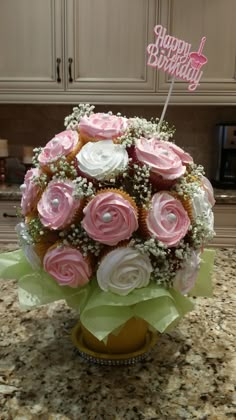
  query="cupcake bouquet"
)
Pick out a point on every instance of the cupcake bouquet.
point(115, 219)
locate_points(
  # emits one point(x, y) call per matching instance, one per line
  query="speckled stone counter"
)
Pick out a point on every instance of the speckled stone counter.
point(10, 192)
point(13, 193)
point(190, 374)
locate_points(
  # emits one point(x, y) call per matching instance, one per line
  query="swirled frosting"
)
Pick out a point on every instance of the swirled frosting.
point(167, 220)
point(103, 126)
point(67, 266)
point(184, 156)
point(30, 191)
point(186, 277)
point(61, 145)
point(57, 206)
point(123, 270)
point(102, 159)
point(109, 218)
point(160, 156)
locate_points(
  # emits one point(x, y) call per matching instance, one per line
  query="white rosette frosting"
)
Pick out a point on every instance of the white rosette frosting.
point(202, 207)
point(102, 159)
point(123, 270)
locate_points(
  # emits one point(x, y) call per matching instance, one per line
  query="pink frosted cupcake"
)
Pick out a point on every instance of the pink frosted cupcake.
point(110, 217)
point(101, 126)
point(65, 144)
point(57, 206)
point(165, 220)
point(166, 165)
point(30, 192)
point(67, 266)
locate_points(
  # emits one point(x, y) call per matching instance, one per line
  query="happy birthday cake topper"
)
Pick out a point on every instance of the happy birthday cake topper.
point(174, 57)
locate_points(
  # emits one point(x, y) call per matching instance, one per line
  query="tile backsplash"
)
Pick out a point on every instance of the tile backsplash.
point(36, 124)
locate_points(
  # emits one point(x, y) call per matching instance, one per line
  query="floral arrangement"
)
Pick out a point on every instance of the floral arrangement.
point(116, 217)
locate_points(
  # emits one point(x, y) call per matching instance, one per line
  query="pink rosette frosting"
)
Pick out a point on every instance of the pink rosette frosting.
point(103, 126)
point(167, 220)
point(109, 218)
point(186, 277)
point(61, 145)
point(57, 206)
point(209, 190)
point(184, 156)
point(67, 266)
point(160, 156)
point(30, 191)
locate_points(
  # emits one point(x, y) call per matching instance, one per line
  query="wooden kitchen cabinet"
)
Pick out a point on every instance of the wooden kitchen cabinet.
point(8, 221)
point(31, 41)
point(71, 51)
point(104, 56)
point(191, 20)
point(106, 41)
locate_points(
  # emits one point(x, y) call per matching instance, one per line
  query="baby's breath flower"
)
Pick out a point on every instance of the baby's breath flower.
point(72, 120)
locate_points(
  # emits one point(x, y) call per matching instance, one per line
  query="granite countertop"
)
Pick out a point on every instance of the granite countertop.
point(190, 373)
point(13, 193)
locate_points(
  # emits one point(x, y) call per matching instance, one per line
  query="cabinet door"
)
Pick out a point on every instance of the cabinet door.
point(106, 44)
point(31, 34)
point(8, 221)
point(191, 20)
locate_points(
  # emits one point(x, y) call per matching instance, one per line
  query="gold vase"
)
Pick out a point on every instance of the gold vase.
point(128, 346)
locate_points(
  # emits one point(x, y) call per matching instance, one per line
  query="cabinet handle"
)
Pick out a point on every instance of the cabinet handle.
point(70, 61)
point(58, 70)
point(9, 215)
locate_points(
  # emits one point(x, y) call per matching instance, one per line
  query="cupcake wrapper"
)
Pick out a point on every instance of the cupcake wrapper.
point(160, 183)
point(74, 152)
point(143, 223)
point(84, 138)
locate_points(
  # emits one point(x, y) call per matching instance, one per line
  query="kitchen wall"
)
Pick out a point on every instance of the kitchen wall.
point(36, 124)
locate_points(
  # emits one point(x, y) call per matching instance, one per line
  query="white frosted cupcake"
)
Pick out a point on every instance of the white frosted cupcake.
point(102, 160)
point(123, 270)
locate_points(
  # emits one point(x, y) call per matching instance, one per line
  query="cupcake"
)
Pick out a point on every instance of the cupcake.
point(102, 160)
point(165, 165)
point(101, 126)
point(30, 193)
point(123, 270)
point(110, 217)
point(67, 266)
point(166, 220)
point(58, 207)
point(65, 144)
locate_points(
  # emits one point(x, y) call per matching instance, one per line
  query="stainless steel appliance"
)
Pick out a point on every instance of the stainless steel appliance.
point(224, 159)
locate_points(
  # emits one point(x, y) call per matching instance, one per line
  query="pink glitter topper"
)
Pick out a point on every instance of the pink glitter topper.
point(174, 57)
